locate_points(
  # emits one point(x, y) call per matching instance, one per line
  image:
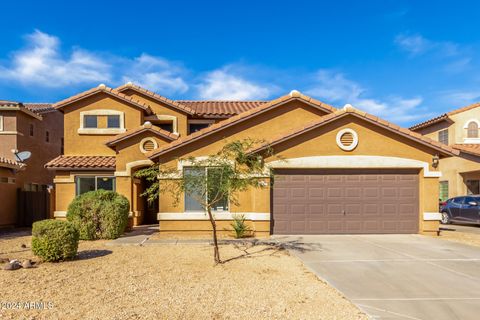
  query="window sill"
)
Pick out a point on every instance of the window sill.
point(223, 215)
point(94, 131)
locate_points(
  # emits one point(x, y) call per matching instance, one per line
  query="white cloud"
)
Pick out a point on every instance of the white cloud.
point(413, 44)
point(41, 63)
point(460, 98)
point(156, 73)
point(334, 87)
point(417, 44)
point(224, 84)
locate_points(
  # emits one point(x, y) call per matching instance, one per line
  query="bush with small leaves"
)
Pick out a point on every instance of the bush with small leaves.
point(240, 227)
point(99, 214)
point(54, 240)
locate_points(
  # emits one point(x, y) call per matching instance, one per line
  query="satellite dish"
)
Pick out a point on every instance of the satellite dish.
point(23, 156)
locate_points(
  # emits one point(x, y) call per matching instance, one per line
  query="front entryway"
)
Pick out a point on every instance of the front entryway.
point(313, 201)
point(145, 212)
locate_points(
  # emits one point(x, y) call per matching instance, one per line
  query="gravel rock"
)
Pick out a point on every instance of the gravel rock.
point(27, 264)
point(171, 282)
point(12, 265)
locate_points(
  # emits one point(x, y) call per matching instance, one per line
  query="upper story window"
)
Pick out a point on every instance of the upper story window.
point(90, 121)
point(1, 123)
point(167, 126)
point(164, 121)
point(102, 121)
point(443, 136)
point(47, 136)
point(113, 121)
point(196, 125)
point(31, 130)
point(472, 130)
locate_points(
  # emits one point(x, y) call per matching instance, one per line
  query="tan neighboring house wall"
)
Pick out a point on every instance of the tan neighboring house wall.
point(456, 171)
point(15, 135)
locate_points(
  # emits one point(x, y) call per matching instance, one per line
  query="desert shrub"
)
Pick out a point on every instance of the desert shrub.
point(240, 227)
point(99, 214)
point(54, 240)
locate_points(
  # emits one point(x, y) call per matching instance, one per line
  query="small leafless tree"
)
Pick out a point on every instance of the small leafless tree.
point(213, 180)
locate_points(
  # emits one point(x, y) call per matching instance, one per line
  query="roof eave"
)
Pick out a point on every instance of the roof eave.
point(274, 103)
point(452, 152)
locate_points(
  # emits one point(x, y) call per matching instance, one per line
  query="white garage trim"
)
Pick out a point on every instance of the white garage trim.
point(217, 216)
point(354, 162)
point(432, 216)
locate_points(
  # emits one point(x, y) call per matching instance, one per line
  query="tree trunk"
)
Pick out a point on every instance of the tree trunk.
point(216, 252)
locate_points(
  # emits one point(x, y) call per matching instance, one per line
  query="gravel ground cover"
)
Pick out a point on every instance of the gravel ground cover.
point(167, 282)
point(472, 239)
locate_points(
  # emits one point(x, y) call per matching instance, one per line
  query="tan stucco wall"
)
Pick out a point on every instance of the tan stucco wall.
point(455, 125)
point(160, 108)
point(89, 144)
point(320, 142)
point(129, 150)
point(8, 199)
point(456, 170)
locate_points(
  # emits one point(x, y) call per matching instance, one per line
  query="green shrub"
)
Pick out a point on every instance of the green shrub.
point(54, 240)
point(239, 226)
point(99, 214)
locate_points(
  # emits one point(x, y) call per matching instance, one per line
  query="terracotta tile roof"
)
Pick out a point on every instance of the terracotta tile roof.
point(8, 103)
point(468, 148)
point(4, 162)
point(107, 90)
point(144, 128)
point(239, 118)
point(444, 116)
point(12, 105)
point(219, 108)
point(363, 115)
point(156, 96)
point(39, 107)
point(82, 162)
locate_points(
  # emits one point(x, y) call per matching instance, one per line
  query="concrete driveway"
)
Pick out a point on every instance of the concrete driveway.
point(397, 276)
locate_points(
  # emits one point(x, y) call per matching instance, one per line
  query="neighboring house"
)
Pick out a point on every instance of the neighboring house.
point(342, 170)
point(458, 129)
point(34, 127)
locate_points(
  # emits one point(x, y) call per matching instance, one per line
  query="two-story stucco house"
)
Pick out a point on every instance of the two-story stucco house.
point(458, 129)
point(342, 170)
point(33, 127)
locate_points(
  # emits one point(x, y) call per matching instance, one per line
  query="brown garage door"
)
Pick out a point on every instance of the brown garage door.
point(345, 201)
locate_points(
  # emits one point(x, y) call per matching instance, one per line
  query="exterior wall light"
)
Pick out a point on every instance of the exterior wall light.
point(435, 161)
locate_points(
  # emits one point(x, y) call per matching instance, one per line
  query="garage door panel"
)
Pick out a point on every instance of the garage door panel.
point(374, 201)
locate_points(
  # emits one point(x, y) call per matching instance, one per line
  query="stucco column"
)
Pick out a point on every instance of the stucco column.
point(124, 187)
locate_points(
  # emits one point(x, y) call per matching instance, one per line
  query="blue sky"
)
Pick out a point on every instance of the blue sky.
point(402, 60)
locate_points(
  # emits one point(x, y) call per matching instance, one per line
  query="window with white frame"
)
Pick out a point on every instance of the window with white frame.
point(85, 184)
point(90, 121)
point(1, 123)
point(197, 125)
point(192, 202)
point(102, 121)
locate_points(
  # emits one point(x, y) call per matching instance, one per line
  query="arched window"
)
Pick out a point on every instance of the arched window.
point(472, 130)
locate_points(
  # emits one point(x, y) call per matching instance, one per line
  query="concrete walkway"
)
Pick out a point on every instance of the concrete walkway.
point(398, 276)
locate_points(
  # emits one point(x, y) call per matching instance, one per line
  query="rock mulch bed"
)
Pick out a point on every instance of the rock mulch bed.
point(472, 239)
point(167, 282)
